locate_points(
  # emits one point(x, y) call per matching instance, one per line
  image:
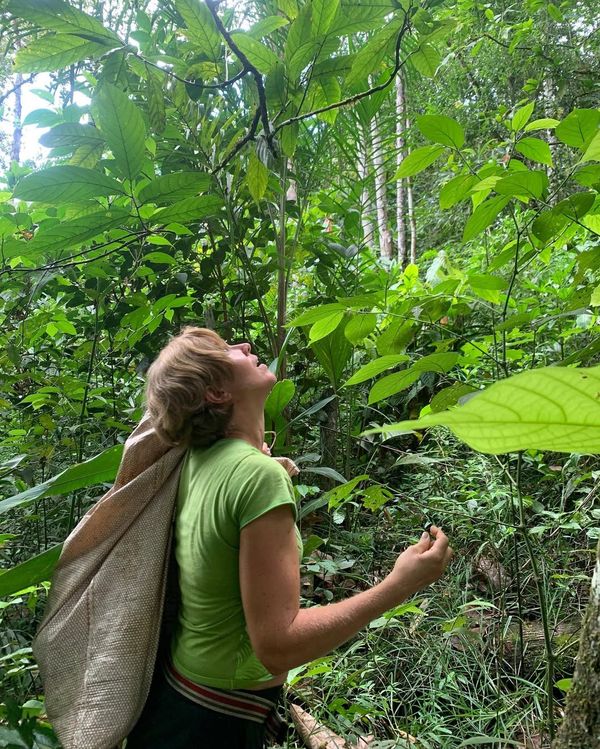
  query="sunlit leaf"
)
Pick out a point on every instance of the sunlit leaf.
point(257, 53)
point(35, 570)
point(483, 216)
point(170, 188)
point(55, 52)
point(535, 149)
point(122, 125)
point(418, 160)
point(578, 127)
point(441, 129)
point(65, 184)
point(553, 408)
point(189, 209)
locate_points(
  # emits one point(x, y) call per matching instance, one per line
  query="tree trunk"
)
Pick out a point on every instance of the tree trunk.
point(411, 211)
point(580, 728)
point(383, 229)
point(366, 204)
point(15, 153)
point(400, 192)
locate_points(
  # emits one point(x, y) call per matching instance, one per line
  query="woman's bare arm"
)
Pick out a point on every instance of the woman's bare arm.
point(285, 636)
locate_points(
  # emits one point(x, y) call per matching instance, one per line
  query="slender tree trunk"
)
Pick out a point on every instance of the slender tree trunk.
point(15, 153)
point(580, 728)
point(400, 191)
point(549, 99)
point(412, 222)
point(383, 229)
point(366, 203)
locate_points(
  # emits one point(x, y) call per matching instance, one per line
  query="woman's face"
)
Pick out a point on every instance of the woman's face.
point(249, 375)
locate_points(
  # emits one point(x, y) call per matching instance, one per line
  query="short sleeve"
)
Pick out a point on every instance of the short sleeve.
point(262, 485)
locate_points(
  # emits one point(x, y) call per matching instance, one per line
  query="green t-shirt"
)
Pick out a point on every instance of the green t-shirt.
point(222, 488)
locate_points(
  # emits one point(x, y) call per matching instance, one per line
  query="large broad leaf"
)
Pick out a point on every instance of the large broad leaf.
point(456, 189)
point(426, 60)
point(257, 53)
point(360, 326)
point(72, 135)
point(545, 409)
point(395, 383)
point(55, 52)
point(257, 177)
point(524, 183)
point(35, 570)
point(122, 125)
point(97, 470)
point(375, 367)
point(418, 160)
point(592, 152)
point(522, 116)
point(323, 13)
point(65, 184)
point(56, 15)
point(66, 234)
point(279, 397)
point(189, 209)
point(333, 353)
point(483, 216)
point(370, 55)
point(312, 316)
point(202, 30)
point(578, 127)
point(356, 15)
point(173, 187)
point(535, 149)
point(441, 129)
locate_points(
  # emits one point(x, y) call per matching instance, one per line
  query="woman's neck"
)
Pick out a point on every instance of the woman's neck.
point(247, 425)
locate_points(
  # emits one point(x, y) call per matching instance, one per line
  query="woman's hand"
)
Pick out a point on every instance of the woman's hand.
point(423, 563)
point(289, 465)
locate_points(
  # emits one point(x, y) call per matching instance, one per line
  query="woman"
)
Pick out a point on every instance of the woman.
point(240, 628)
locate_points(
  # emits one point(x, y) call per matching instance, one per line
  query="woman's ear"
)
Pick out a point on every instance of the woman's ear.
point(216, 396)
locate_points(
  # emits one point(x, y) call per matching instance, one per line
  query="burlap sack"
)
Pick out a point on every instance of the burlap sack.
point(96, 646)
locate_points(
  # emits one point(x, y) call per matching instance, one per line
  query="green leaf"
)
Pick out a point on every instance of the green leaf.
point(257, 177)
point(267, 25)
point(456, 190)
point(441, 129)
point(553, 408)
point(102, 468)
point(65, 184)
point(483, 216)
point(201, 25)
point(88, 155)
point(426, 60)
point(545, 123)
point(360, 326)
point(258, 54)
point(418, 160)
point(575, 206)
point(392, 384)
point(592, 153)
point(564, 684)
point(333, 353)
point(122, 125)
point(59, 16)
point(323, 13)
point(279, 397)
point(548, 225)
point(189, 209)
point(175, 186)
point(311, 316)
point(300, 47)
point(36, 570)
point(66, 234)
point(450, 396)
point(55, 52)
point(325, 326)
point(72, 135)
point(535, 149)
point(371, 55)
point(356, 16)
point(161, 258)
point(525, 183)
point(578, 127)
point(521, 116)
point(375, 367)
point(289, 138)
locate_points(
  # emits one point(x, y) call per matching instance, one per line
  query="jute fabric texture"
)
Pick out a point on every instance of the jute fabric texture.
point(97, 642)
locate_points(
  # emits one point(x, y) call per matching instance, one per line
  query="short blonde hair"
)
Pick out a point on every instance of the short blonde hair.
point(176, 386)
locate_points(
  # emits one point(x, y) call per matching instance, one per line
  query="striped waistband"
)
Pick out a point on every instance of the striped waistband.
point(236, 703)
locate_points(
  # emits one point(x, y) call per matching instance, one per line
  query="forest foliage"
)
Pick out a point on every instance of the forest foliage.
point(396, 202)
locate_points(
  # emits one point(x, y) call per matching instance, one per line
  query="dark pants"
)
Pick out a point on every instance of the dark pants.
point(170, 721)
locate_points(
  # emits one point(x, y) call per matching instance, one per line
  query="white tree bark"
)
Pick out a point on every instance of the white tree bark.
point(366, 202)
point(400, 191)
point(383, 228)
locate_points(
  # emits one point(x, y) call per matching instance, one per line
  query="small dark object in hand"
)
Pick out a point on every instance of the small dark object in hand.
point(427, 526)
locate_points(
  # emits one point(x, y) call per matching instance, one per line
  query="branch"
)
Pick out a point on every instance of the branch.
point(241, 142)
point(223, 84)
point(258, 79)
point(16, 87)
point(357, 97)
